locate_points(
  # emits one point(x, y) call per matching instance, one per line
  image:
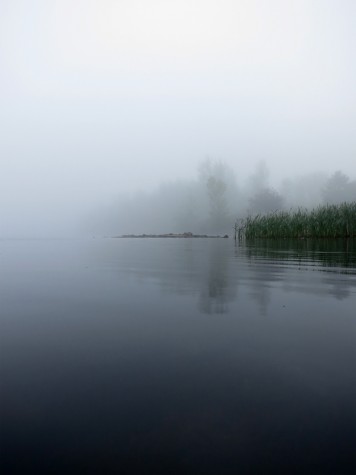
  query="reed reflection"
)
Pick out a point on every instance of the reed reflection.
point(219, 273)
point(319, 267)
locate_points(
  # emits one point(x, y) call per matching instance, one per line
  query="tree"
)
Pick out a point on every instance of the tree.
point(265, 201)
point(259, 179)
point(216, 178)
point(338, 189)
point(218, 206)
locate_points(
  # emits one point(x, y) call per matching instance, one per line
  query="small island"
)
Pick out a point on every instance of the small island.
point(172, 235)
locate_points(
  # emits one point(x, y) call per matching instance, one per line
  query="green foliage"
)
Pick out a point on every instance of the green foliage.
point(329, 221)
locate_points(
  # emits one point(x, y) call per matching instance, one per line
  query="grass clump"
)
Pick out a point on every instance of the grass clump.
point(327, 221)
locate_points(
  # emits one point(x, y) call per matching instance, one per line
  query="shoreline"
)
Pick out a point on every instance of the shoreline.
point(172, 235)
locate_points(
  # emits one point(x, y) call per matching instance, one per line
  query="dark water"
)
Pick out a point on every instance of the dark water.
point(177, 356)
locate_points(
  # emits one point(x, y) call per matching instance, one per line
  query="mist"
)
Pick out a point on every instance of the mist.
point(215, 199)
point(108, 109)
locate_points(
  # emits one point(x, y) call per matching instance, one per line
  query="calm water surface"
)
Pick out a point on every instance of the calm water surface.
point(168, 356)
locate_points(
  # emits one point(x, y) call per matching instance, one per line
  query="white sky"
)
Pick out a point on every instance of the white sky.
point(98, 97)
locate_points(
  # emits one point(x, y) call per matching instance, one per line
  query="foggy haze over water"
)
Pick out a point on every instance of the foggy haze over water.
point(204, 356)
point(102, 99)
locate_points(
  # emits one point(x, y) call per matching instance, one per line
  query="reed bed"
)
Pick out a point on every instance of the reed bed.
point(328, 221)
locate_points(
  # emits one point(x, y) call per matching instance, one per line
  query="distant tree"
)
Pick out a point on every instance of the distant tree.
point(339, 188)
point(259, 179)
point(265, 201)
point(303, 190)
point(216, 189)
point(215, 177)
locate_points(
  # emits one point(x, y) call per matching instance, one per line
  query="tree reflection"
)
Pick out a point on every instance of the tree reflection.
point(217, 289)
point(222, 276)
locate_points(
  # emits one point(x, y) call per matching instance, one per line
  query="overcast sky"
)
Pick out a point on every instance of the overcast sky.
point(99, 97)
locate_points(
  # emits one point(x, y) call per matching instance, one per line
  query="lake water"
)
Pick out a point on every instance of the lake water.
point(165, 356)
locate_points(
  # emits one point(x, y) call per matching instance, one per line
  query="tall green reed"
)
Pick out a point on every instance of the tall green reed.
point(327, 221)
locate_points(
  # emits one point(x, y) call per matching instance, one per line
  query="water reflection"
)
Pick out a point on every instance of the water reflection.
point(191, 267)
point(335, 253)
point(221, 272)
point(185, 356)
point(314, 267)
point(217, 288)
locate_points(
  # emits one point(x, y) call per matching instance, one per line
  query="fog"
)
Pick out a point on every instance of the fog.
point(116, 114)
point(216, 199)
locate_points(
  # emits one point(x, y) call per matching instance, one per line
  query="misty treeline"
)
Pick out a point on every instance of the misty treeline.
point(211, 202)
